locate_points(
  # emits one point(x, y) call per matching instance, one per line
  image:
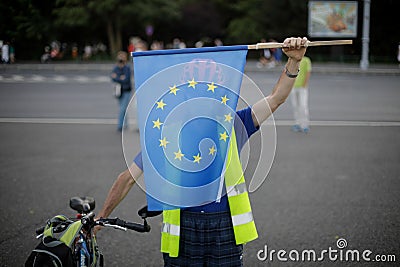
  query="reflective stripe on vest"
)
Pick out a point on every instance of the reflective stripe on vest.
point(239, 204)
point(242, 219)
point(171, 229)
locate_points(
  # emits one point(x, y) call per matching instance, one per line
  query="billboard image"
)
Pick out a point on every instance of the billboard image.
point(332, 19)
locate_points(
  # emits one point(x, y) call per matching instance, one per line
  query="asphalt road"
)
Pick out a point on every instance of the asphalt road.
point(58, 139)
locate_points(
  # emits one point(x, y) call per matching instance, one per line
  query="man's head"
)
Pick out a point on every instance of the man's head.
point(122, 57)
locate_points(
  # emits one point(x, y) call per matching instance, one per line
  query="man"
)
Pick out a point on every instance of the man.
point(299, 97)
point(206, 235)
point(121, 74)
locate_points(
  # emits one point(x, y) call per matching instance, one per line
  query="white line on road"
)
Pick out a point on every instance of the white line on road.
point(56, 78)
point(59, 78)
point(58, 121)
point(37, 78)
point(18, 78)
point(81, 79)
point(277, 123)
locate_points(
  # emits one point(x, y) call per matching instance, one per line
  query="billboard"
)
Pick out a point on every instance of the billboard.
point(332, 19)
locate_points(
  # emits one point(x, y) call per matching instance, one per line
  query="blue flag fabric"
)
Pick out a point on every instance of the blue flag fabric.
point(186, 105)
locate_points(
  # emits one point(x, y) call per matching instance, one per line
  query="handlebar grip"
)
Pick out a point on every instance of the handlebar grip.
point(137, 227)
point(142, 228)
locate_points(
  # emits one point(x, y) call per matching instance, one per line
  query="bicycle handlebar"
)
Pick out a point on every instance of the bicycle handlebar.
point(107, 222)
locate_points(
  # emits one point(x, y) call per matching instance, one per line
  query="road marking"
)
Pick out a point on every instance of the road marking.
point(59, 78)
point(102, 79)
point(277, 123)
point(57, 121)
point(38, 78)
point(56, 78)
point(82, 79)
point(17, 78)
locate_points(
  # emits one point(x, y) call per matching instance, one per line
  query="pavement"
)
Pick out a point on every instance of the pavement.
point(251, 66)
point(338, 182)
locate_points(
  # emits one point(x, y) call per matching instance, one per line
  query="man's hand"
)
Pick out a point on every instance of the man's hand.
point(295, 48)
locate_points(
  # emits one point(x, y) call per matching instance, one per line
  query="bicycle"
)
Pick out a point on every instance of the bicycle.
point(71, 242)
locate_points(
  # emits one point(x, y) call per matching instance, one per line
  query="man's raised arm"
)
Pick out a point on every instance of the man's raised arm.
point(295, 49)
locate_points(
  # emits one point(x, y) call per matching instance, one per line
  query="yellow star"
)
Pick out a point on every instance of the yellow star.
point(157, 123)
point(197, 158)
point(161, 104)
point(228, 117)
point(173, 90)
point(192, 83)
point(224, 99)
point(223, 136)
point(179, 155)
point(211, 87)
point(163, 142)
point(212, 150)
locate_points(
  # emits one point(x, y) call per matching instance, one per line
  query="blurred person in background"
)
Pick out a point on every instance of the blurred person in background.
point(299, 97)
point(398, 54)
point(121, 74)
point(140, 46)
point(276, 59)
point(12, 53)
point(5, 53)
point(218, 42)
point(87, 52)
point(265, 57)
point(156, 45)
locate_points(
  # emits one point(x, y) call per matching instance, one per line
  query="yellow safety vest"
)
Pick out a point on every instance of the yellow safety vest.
point(244, 227)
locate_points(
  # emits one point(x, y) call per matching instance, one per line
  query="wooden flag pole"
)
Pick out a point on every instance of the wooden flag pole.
point(309, 43)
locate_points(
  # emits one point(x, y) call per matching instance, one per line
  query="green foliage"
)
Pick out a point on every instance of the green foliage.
point(244, 30)
point(31, 23)
point(114, 16)
point(71, 16)
point(154, 11)
point(256, 19)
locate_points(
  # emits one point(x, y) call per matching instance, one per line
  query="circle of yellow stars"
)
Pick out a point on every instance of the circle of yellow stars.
point(222, 136)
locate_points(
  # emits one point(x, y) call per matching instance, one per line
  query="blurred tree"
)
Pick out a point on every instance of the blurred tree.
point(245, 25)
point(27, 24)
point(30, 24)
point(25, 19)
point(114, 15)
point(200, 21)
point(252, 20)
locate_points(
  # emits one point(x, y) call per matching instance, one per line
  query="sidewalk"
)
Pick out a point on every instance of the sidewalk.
point(251, 66)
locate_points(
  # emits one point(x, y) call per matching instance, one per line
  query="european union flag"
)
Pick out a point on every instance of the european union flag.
point(186, 104)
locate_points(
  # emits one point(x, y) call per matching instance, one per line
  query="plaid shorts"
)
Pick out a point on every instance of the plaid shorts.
point(207, 239)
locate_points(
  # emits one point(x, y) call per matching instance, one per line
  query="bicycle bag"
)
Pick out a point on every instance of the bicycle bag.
point(56, 246)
